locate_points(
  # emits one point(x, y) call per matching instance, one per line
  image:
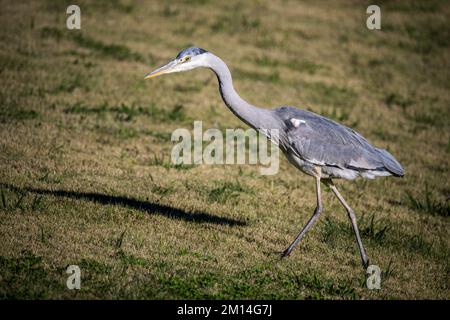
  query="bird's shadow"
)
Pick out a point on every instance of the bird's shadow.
point(144, 206)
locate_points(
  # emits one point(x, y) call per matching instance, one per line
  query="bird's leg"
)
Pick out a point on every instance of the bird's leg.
point(313, 218)
point(352, 217)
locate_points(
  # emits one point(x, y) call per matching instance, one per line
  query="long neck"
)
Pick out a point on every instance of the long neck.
point(250, 114)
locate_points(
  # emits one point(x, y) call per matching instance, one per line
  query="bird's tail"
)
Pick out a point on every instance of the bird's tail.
point(391, 164)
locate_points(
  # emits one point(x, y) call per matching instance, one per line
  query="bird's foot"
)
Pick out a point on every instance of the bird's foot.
point(285, 253)
point(366, 264)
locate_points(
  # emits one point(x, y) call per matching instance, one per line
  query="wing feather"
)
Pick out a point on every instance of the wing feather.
point(323, 141)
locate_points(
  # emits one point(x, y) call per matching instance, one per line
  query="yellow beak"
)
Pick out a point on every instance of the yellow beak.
point(153, 74)
point(162, 70)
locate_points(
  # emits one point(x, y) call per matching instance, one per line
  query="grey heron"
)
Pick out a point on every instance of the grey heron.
point(316, 145)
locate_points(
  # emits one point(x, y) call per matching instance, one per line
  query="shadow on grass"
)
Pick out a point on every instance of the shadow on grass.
point(144, 206)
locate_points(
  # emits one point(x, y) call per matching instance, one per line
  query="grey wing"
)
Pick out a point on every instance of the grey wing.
point(322, 141)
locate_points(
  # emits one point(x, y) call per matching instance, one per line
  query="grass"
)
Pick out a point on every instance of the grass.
point(259, 76)
point(18, 115)
point(85, 171)
point(394, 99)
point(20, 200)
point(115, 51)
point(27, 269)
point(165, 162)
point(370, 228)
point(334, 95)
point(127, 113)
point(227, 190)
point(298, 65)
point(429, 204)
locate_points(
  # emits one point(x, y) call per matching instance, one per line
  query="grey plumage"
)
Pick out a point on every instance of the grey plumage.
point(192, 51)
point(324, 142)
point(318, 146)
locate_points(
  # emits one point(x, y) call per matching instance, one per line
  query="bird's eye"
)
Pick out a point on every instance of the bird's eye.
point(187, 58)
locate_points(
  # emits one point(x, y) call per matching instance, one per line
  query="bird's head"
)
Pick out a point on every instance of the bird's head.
point(187, 59)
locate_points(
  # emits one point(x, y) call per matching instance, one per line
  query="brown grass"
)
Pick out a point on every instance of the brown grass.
point(80, 131)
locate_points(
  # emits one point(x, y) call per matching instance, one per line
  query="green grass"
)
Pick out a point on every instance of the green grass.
point(122, 112)
point(370, 228)
point(85, 171)
point(258, 76)
point(165, 162)
point(70, 84)
point(18, 115)
point(15, 200)
point(226, 191)
point(236, 23)
point(321, 93)
point(115, 51)
point(301, 66)
point(26, 275)
point(428, 203)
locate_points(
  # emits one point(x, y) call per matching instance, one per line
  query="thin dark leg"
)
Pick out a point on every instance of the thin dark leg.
point(308, 225)
point(352, 217)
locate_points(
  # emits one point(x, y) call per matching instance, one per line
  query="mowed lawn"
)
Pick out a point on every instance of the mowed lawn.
point(85, 142)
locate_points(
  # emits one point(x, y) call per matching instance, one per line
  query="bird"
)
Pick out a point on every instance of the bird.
point(314, 144)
